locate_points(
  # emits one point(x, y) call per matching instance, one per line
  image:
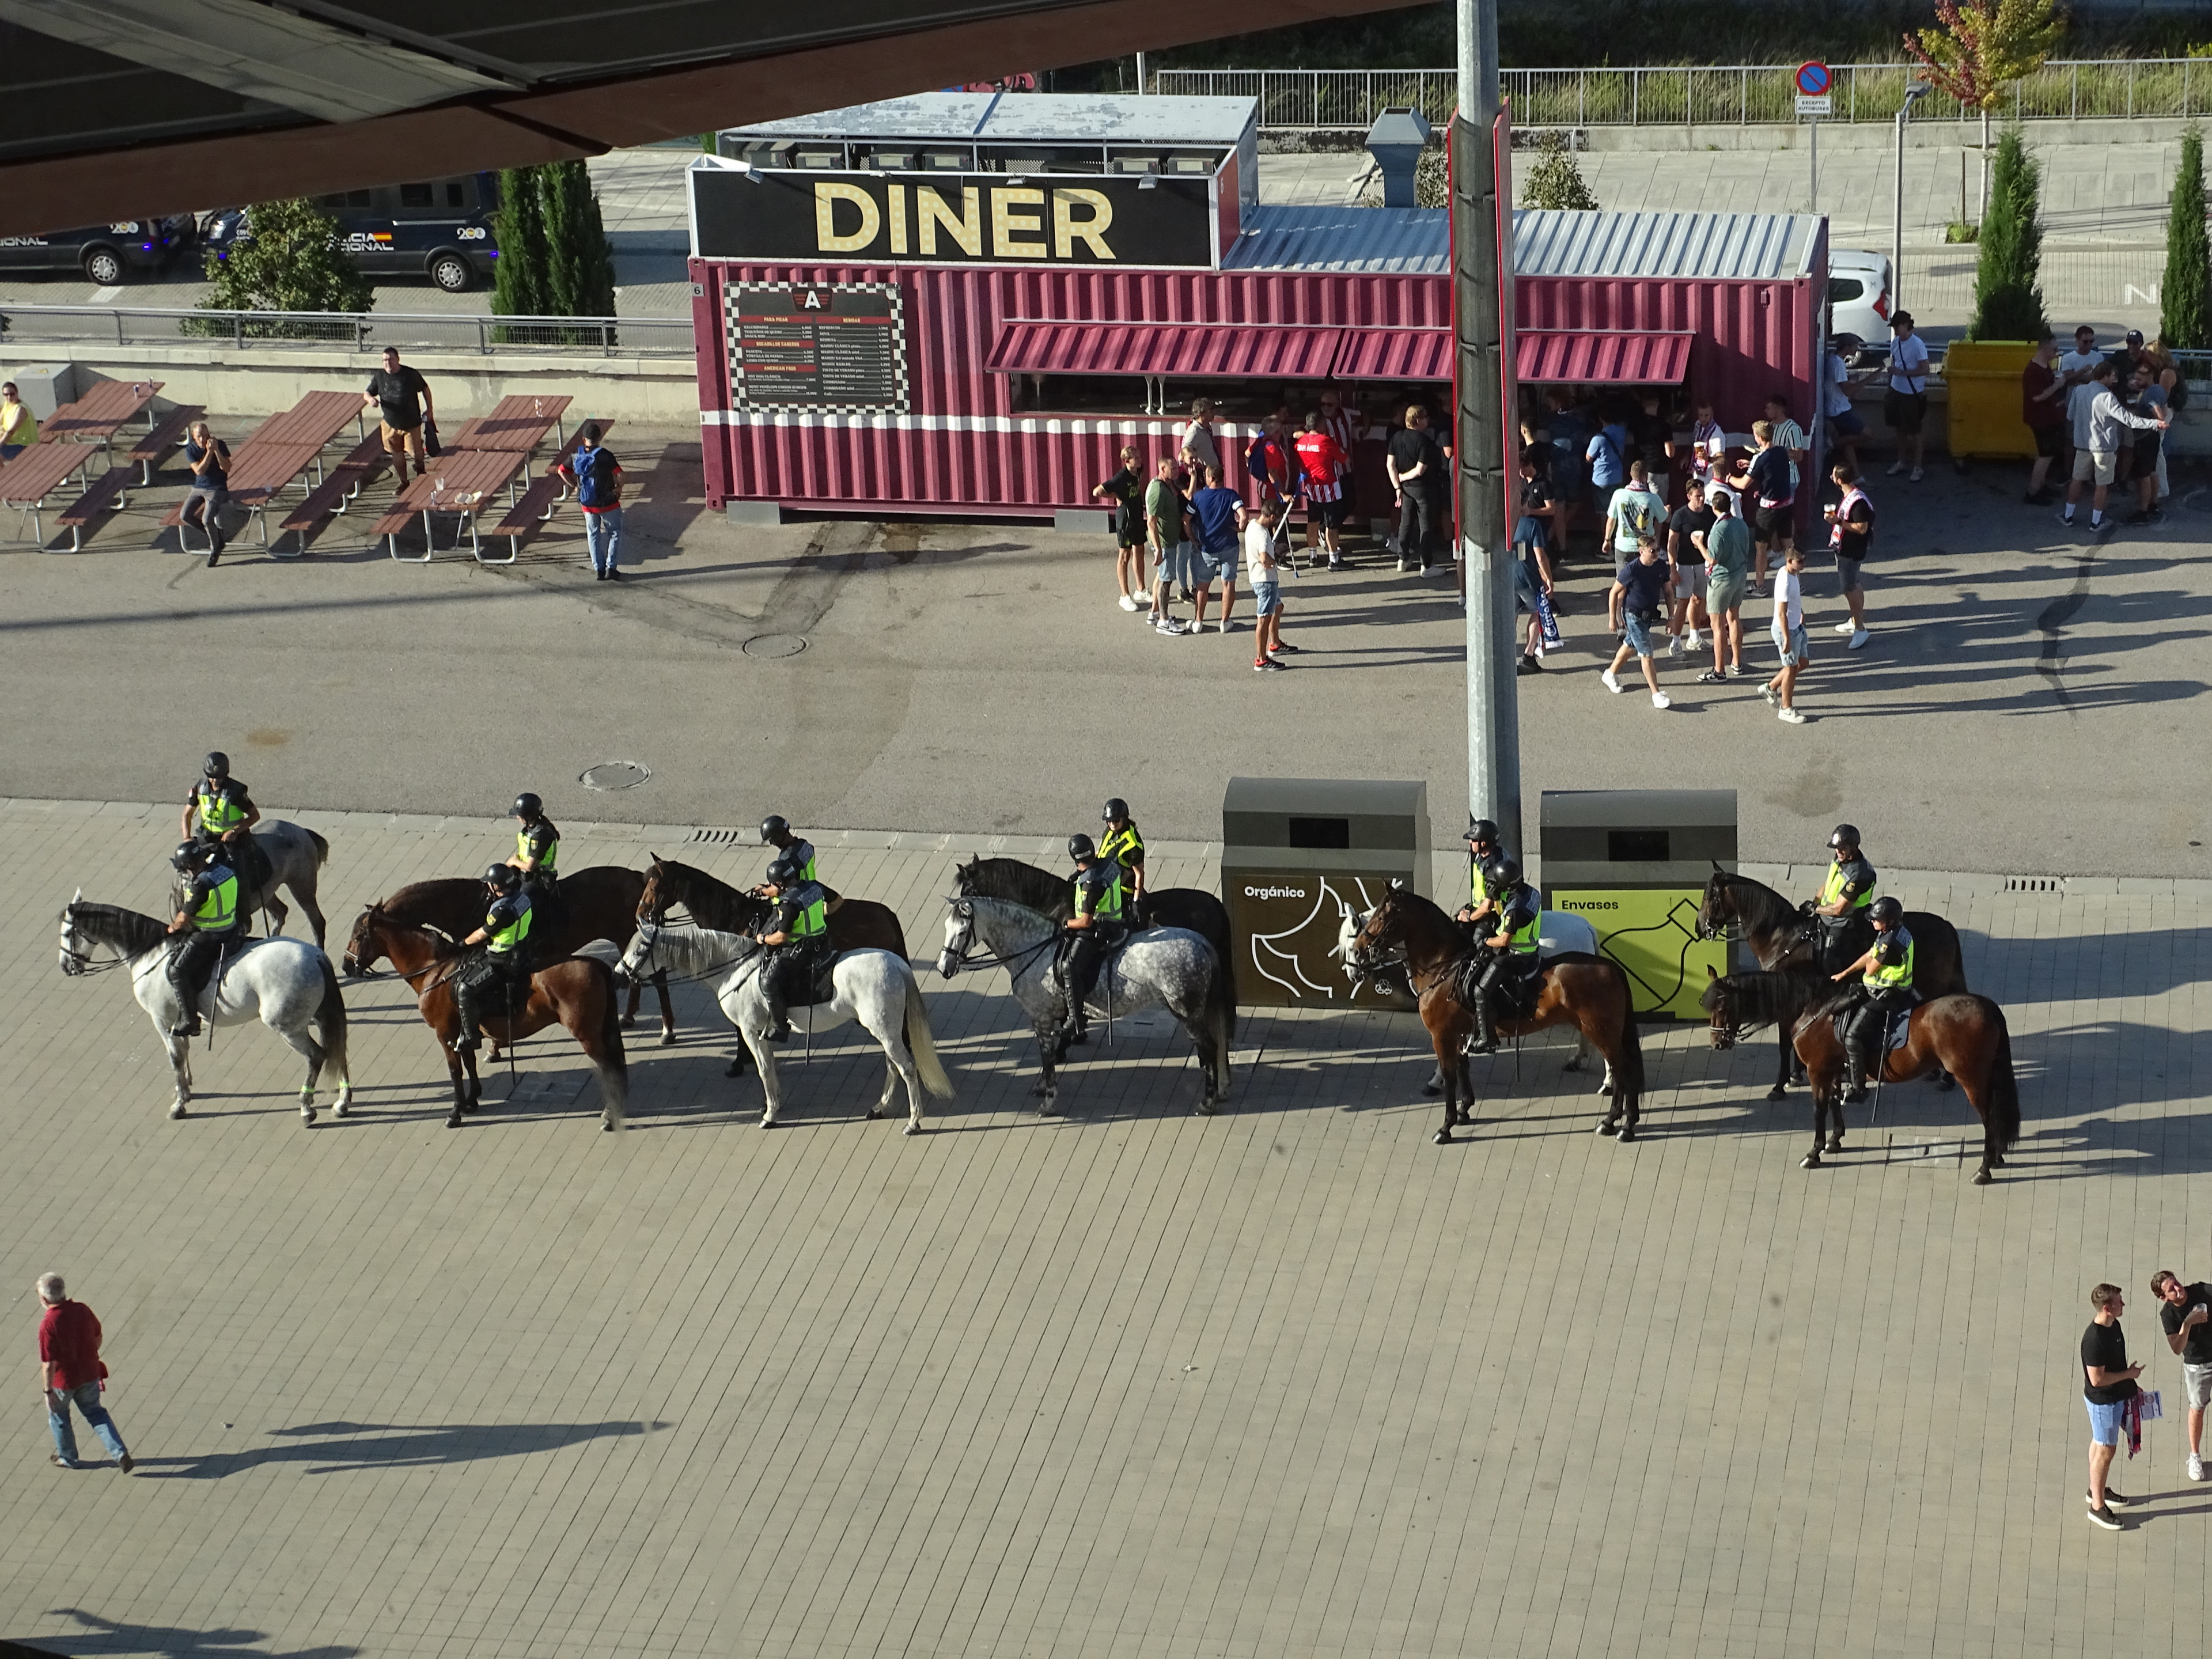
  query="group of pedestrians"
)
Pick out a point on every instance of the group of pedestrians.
point(2101, 419)
point(2112, 1391)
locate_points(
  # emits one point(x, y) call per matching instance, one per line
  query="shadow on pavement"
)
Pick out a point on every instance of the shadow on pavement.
point(344, 1447)
point(104, 1636)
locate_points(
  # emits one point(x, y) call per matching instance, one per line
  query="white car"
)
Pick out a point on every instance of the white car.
point(1858, 297)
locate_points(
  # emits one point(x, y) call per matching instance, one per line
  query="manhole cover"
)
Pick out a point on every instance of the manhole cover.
point(775, 645)
point(614, 774)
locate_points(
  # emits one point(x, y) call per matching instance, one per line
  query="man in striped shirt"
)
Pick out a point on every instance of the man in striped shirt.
point(1325, 463)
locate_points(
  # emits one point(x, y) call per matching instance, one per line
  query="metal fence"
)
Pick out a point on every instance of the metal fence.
point(1303, 100)
point(119, 325)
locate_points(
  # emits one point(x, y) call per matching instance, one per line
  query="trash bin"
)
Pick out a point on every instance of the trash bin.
point(1298, 854)
point(1634, 862)
point(1982, 379)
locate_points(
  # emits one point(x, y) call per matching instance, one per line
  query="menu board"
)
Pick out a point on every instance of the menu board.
point(836, 347)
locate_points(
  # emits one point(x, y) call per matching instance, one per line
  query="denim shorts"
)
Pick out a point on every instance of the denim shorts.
point(1212, 567)
point(2104, 1421)
point(1847, 574)
point(1796, 651)
point(1639, 636)
point(1268, 596)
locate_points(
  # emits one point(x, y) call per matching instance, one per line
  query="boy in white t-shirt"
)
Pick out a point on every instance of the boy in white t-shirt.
point(1789, 632)
point(1266, 589)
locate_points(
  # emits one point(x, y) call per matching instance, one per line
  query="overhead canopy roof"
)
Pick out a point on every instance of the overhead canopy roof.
point(1036, 118)
point(122, 108)
point(1178, 349)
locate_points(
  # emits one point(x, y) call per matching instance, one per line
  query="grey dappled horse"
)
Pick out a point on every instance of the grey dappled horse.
point(296, 855)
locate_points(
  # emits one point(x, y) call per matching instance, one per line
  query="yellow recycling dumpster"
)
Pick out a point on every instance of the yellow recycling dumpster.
point(1983, 379)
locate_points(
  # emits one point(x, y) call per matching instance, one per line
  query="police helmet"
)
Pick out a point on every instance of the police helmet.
point(1117, 812)
point(526, 807)
point(773, 829)
point(505, 876)
point(784, 872)
point(1846, 835)
point(217, 765)
point(187, 855)
point(1080, 846)
point(1887, 911)
point(1502, 871)
point(1481, 830)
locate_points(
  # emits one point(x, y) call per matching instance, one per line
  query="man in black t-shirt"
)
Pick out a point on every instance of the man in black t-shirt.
point(2108, 1384)
point(2185, 1312)
point(1686, 549)
point(403, 397)
point(1420, 475)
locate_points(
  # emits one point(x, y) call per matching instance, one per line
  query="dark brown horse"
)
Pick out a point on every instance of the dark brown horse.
point(1784, 940)
point(854, 924)
point(1962, 1033)
point(577, 993)
point(1586, 991)
point(596, 903)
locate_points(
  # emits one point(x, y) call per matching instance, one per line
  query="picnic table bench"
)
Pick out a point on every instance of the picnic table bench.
point(360, 469)
point(100, 413)
point(106, 495)
point(519, 423)
point(459, 483)
point(534, 511)
point(150, 451)
point(37, 473)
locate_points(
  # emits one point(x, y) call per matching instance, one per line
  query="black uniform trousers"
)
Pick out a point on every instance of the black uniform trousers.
point(491, 983)
point(1866, 1023)
point(1087, 951)
point(193, 960)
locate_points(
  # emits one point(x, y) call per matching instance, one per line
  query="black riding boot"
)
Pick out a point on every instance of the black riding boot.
point(468, 1009)
point(778, 1010)
point(1861, 1055)
point(1484, 1038)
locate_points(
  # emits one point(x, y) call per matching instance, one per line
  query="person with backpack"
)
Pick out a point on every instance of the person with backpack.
point(596, 476)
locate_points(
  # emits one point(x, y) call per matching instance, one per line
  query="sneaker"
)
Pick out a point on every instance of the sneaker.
point(1758, 587)
point(1269, 665)
point(1661, 700)
point(1673, 645)
point(1127, 604)
point(1279, 647)
point(1171, 626)
point(1336, 564)
point(2112, 1495)
point(2037, 498)
point(127, 1463)
point(1846, 628)
point(1736, 670)
point(1859, 637)
point(1692, 640)
point(2105, 1519)
point(1896, 468)
point(1773, 697)
point(1221, 627)
point(1527, 666)
point(1789, 717)
point(2137, 517)
point(61, 1463)
point(1917, 475)
point(1712, 676)
point(2196, 1466)
point(1610, 683)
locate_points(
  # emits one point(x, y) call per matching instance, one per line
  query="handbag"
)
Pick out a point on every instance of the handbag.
point(430, 445)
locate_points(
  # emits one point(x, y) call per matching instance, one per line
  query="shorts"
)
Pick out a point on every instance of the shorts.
point(1849, 424)
point(1171, 568)
point(1796, 653)
point(2098, 464)
point(1723, 590)
point(1333, 515)
point(1638, 632)
point(1847, 574)
point(1268, 596)
point(2104, 1421)
point(1690, 580)
point(1525, 585)
point(2049, 442)
point(1774, 524)
point(2196, 1385)
point(1624, 561)
point(1216, 566)
point(403, 441)
point(1906, 411)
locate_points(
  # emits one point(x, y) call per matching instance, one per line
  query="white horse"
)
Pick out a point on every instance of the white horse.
point(286, 983)
point(296, 855)
point(872, 986)
point(1163, 967)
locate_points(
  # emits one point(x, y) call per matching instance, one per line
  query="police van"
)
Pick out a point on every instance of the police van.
point(105, 254)
point(441, 229)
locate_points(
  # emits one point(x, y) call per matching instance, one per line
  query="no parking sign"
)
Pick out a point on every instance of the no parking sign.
point(1814, 88)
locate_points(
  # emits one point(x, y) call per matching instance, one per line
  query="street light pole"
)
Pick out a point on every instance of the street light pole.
point(1482, 327)
point(1914, 92)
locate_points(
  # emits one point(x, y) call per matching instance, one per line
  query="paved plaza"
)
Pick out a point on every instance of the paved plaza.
point(1288, 1380)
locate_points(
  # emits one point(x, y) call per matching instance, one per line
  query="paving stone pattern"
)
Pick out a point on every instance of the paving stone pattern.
point(1289, 1381)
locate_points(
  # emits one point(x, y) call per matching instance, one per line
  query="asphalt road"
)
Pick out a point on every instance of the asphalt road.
point(2025, 705)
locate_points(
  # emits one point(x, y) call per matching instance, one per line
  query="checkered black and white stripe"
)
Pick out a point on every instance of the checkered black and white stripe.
point(738, 400)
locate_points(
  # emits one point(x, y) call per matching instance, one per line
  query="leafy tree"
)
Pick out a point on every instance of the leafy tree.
point(1555, 181)
point(1982, 48)
point(519, 286)
point(290, 261)
point(2008, 294)
point(580, 267)
point(2184, 310)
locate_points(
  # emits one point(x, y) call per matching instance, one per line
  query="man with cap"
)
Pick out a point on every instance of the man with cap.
point(1906, 407)
point(1885, 987)
point(1122, 843)
point(503, 964)
point(1481, 847)
point(1846, 895)
point(206, 924)
point(536, 846)
point(798, 935)
point(1094, 929)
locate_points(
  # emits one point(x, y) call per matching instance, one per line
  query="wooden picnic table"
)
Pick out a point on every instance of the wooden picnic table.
point(26, 480)
point(518, 423)
point(285, 447)
point(461, 483)
point(101, 412)
point(312, 422)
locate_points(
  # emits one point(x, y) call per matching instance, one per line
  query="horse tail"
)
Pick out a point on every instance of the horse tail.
point(331, 1023)
point(1227, 956)
point(1221, 1018)
point(922, 1044)
point(1630, 1074)
point(2004, 1087)
point(322, 849)
point(610, 1037)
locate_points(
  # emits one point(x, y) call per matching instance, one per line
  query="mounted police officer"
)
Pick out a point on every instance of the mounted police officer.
point(776, 831)
point(1846, 895)
point(1510, 948)
point(487, 983)
point(1123, 844)
point(219, 810)
point(1095, 929)
point(206, 924)
point(798, 938)
point(1885, 988)
point(537, 848)
point(1481, 847)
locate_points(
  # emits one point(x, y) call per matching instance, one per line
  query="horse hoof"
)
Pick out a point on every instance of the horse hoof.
point(1812, 1161)
point(1627, 1133)
point(1608, 1127)
point(767, 1123)
point(667, 1039)
point(606, 1127)
point(1835, 1143)
point(308, 1117)
point(1432, 1089)
point(911, 1129)
point(1778, 1092)
point(177, 1110)
point(630, 1022)
point(733, 1069)
point(1603, 1088)
point(1443, 1137)
point(453, 1120)
point(875, 1115)
point(1981, 1177)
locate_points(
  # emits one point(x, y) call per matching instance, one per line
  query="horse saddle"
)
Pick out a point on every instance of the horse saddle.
point(1897, 1024)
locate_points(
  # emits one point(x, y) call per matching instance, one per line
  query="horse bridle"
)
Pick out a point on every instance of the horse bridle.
point(1013, 964)
point(83, 963)
point(652, 945)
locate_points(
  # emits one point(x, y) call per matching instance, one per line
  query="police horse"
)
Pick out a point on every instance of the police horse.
point(1171, 967)
point(872, 986)
point(287, 984)
point(294, 855)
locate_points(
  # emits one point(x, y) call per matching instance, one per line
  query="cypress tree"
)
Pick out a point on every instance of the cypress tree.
point(2184, 307)
point(519, 285)
point(579, 270)
point(2008, 294)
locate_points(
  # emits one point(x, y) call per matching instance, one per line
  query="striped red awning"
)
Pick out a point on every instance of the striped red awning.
point(1178, 349)
point(1601, 358)
point(1397, 354)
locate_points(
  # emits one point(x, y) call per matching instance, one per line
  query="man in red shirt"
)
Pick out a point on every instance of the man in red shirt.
point(69, 1354)
point(2043, 406)
point(1325, 463)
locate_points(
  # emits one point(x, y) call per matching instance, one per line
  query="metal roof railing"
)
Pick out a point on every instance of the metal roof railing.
point(365, 330)
point(1304, 101)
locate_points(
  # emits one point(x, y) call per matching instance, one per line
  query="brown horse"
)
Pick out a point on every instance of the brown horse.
point(596, 903)
point(1586, 991)
point(1962, 1033)
point(854, 924)
point(577, 993)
